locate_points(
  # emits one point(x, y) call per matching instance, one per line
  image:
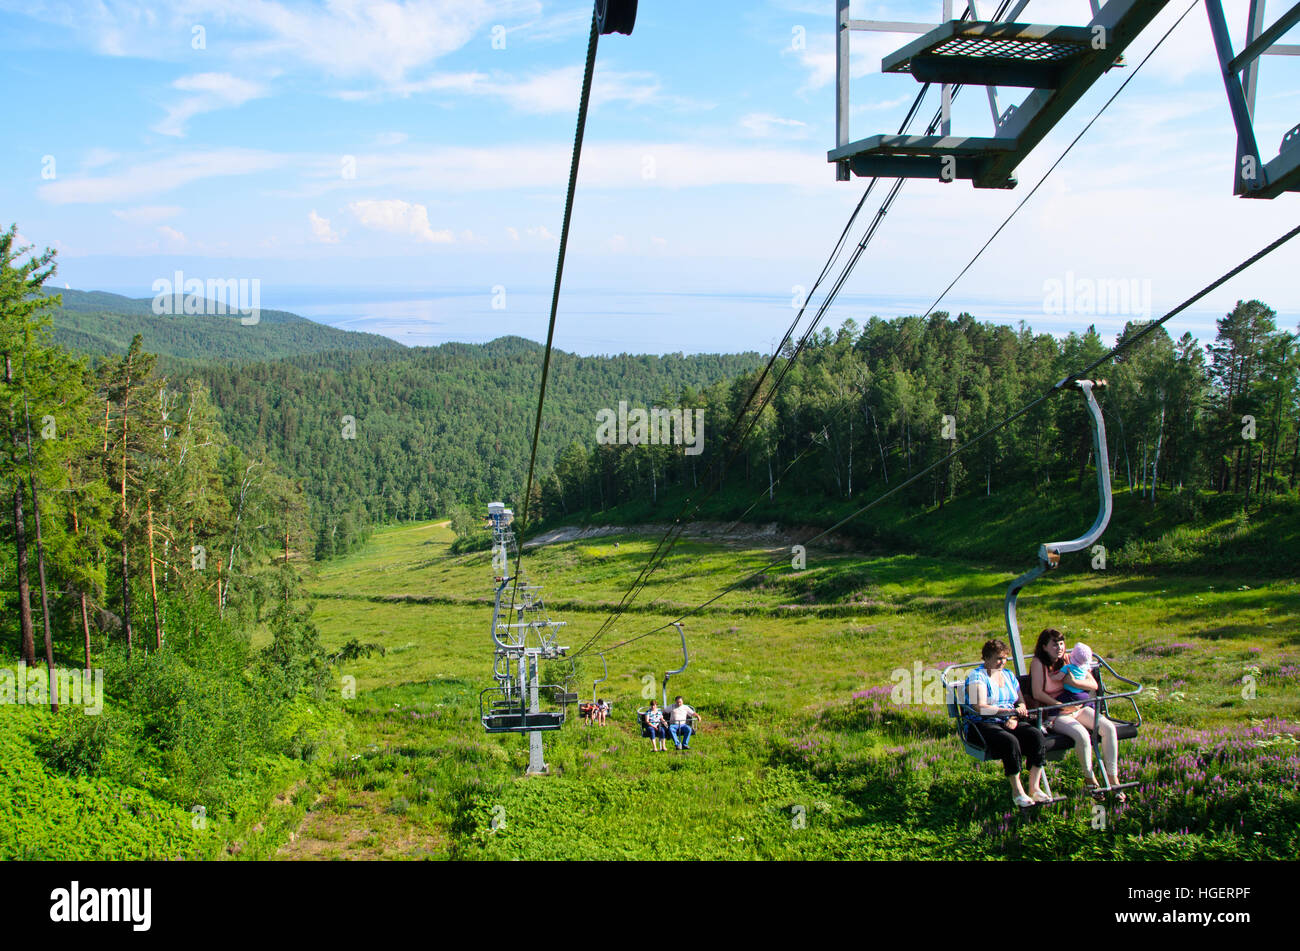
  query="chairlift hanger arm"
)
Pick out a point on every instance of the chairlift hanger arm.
point(1049, 553)
point(685, 661)
point(602, 678)
point(1098, 426)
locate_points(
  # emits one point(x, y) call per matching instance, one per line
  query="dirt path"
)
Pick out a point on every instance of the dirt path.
point(772, 535)
point(353, 825)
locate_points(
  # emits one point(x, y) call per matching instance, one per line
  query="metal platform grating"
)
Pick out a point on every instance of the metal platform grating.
point(1006, 48)
point(1000, 48)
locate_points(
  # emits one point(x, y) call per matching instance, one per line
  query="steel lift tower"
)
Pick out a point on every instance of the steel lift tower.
point(1058, 64)
point(519, 643)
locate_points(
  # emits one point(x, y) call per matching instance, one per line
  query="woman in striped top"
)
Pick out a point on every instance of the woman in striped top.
point(995, 711)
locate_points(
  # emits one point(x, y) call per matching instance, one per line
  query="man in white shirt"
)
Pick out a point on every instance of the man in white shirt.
point(679, 726)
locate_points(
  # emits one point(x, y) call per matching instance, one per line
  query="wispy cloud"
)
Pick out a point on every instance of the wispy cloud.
point(548, 91)
point(147, 214)
point(763, 125)
point(212, 91)
point(157, 177)
point(383, 39)
point(97, 158)
point(175, 238)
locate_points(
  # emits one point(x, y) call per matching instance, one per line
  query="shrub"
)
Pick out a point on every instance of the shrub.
point(76, 743)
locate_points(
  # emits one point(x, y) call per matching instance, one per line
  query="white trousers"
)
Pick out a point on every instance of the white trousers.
point(1079, 726)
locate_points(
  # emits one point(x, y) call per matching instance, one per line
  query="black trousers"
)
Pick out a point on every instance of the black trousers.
point(1012, 746)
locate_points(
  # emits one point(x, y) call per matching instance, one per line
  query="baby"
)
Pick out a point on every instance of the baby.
point(1075, 671)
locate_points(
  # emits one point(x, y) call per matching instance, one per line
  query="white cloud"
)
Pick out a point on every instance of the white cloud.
point(390, 138)
point(147, 214)
point(817, 56)
point(513, 233)
point(97, 157)
point(399, 217)
point(559, 26)
point(384, 39)
point(321, 230)
point(153, 178)
point(617, 243)
point(763, 125)
point(380, 38)
point(541, 232)
point(212, 91)
point(177, 238)
point(552, 91)
point(440, 82)
point(659, 242)
point(557, 90)
point(456, 169)
point(676, 165)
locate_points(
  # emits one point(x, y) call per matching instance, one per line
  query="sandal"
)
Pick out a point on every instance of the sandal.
point(1024, 802)
point(1040, 796)
point(1094, 789)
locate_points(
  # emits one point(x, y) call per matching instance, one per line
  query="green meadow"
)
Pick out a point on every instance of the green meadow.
point(803, 754)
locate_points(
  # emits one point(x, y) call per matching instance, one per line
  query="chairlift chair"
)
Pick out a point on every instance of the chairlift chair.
point(642, 711)
point(587, 710)
point(1056, 745)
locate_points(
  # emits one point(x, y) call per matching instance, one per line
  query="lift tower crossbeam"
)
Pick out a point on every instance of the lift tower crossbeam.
point(1059, 64)
point(1253, 177)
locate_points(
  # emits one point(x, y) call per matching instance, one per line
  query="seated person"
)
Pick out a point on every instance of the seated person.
point(1073, 686)
point(602, 711)
point(587, 711)
point(679, 726)
point(654, 721)
point(994, 710)
point(1054, 681)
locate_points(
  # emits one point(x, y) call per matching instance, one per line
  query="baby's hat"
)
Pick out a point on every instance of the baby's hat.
point(1081, 656)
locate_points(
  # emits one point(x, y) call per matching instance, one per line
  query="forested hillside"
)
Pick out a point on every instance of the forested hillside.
point(137, 539)
point(426, 427)
point(377, 436)
point(863, 408)
point(98, 323)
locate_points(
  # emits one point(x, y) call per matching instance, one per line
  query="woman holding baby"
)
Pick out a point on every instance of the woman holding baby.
point(1057, 677)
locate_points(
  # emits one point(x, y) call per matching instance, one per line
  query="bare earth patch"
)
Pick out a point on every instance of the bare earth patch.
point(723, 533)
point(360, 830)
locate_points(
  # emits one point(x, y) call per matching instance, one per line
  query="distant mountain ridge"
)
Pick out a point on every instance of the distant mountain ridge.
point(100, 323)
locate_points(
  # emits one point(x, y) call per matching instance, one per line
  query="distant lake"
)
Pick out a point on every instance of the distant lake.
point(595, 322)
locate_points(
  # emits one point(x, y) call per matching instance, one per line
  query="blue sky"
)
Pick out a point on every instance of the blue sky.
point(350, 155)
